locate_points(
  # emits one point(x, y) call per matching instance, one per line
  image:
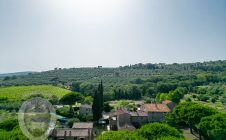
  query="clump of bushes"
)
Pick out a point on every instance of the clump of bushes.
point(203, 98)
point(151, 131)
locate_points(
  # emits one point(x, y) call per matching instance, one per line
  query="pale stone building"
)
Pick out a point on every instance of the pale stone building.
point(139, 118)
point(79, 131)
point(85, 109)
point(120, 120)
point(123, 119)
point(156, 112)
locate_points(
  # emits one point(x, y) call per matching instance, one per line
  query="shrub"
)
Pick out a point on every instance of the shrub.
point(170, 138)
point(214, 127)
point(188, 99)
point(203, 98)
point(120, 135)
point(194, 96)
point(156, 130)
point(9, 124)
point(64, 111)
point(107, 107)
point(214, 99)
point(10, 106)
point(54, 100)
point(71, 121)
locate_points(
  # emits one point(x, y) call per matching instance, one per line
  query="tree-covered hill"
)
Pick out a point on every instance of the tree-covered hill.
point(130, 82)
point(15, 74)
point(121, 75)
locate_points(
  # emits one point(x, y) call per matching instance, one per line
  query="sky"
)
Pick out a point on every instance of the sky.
point(43, 34)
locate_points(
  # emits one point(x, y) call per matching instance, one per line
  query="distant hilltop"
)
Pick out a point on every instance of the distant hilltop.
point(17, 73)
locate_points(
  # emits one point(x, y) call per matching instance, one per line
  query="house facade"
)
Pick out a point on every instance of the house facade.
point(138, 118)
point(156, 112)
point(84, 126)
point(85, 109)
point(69, 134)
point(120, 120)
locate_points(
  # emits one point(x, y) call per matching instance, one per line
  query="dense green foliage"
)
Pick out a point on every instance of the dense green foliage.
point(70, 99)
point(214, 127)
point(98, 105)
point(107, 107)
point(174, 96)
point(169, 138)
point(127, 92)
point(9, 130)
point(88, 100)
point(206, 121)
point(65, 112)
point(191, 113)
point(156, 130)
point(194, 82)
point(152, 131)
point(149, 79)
point(8, 125)
point(120, 135)
point(10, 105)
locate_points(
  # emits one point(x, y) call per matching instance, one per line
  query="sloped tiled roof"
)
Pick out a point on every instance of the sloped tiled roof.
point(68, 132)
point(119, 112)
point(166, 102)
point(82, 125)
point(156, 108)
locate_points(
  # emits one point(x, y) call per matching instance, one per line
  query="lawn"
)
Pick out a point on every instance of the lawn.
point(18, 93)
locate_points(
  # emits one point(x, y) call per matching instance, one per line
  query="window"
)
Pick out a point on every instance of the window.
point(114, 118)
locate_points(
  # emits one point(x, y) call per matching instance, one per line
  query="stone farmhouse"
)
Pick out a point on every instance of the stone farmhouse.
point(120, 120)
point(85, 110)
point(123, 119)
point(156, 112)
point(79, 131)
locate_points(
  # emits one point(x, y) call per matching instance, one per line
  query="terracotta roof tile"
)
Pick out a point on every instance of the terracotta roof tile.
point(119, 112)
point(67, 132)
point(156, 108)
point(166, 102)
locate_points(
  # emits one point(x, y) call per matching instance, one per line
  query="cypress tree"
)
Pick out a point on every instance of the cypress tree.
point(101, 90)
point(97, 106)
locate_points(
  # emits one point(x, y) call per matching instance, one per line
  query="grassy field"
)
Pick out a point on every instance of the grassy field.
point(17, 93)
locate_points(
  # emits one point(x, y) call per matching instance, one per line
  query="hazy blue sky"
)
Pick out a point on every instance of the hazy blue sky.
point(43, 34)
